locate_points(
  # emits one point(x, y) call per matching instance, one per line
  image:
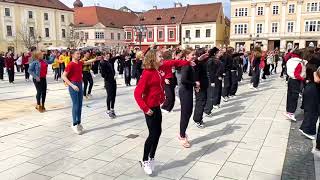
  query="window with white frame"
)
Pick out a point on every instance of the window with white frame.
point(47, 32)
point(31, 31)
point(241, 12)
point(171, 34)
point(150, 35)
point(63, 33)
point(160, 34)
point(128, 35)
point(208, 33)
point(275, 10)
point(198, 33)
point(46, 16)
point(119, 36)
point(259, 28)
point(9, 31)
point(187, 33)
point(241, 28)
point(86, 35)
point(62, 18)
point(291, 8)
point(112, 36)
point(7, 12)
point(99, 35)
point(312, 26)
point(260, 11)
point(274, 27)
point(290, 27)
point(30, 14)
point(313, 7)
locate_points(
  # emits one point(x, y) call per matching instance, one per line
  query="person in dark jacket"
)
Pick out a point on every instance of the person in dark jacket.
point(234, 73)
point(227, 63)
point(110, 83)
point(256, 67)
point(139, 59)
point(311, 99)
point(212, 72)
point(127, 69)
point(2, 65)
point(201, 77)
point(9, 62)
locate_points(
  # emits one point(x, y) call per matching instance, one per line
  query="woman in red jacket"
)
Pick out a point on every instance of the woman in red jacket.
point(9, 62)
point(149, 95)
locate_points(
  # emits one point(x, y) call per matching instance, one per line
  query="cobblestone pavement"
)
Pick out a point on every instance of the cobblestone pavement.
point(246, 139)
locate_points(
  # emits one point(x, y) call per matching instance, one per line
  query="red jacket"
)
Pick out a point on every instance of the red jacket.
point(149, 92)
point(25, 59)
point(169, 64)
point(9, 62)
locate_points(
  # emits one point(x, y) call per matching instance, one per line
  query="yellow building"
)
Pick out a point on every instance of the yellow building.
point(275, 23)
point(43, 23)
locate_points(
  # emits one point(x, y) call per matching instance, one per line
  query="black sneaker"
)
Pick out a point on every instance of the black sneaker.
point(113, 113)
point(200, 125)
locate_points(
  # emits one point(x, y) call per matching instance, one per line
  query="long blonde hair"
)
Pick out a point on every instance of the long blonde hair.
point(150, 60)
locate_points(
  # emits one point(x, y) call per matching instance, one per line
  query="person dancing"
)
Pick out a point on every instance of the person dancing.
point(72, 76)
point(149, 95)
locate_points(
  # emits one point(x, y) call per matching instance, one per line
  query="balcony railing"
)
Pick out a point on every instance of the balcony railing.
point(293, 35)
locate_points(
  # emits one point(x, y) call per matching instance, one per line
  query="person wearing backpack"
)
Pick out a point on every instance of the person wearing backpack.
point(296, 70)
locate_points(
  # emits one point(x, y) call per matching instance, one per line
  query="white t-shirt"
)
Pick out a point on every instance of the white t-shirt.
point(19, 60)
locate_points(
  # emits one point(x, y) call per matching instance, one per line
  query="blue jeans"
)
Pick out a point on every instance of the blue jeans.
point(76, 98)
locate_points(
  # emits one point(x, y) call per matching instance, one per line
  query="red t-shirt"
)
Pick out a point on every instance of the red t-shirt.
point(74, 71)
point(43, 69)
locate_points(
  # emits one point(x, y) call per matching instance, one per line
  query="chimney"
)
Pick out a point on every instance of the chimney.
point(177, 4)
point(155, 7)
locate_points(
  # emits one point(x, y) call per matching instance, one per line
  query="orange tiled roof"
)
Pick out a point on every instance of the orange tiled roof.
point(90, 16)
point(54, 4)
point(202, 13)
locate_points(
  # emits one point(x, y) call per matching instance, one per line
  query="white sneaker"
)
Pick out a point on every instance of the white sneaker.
point(216, 107)
point(225, 99)
point(152, 163)
point(307, 135)
point(290, 116)
point(75, 129)
point(80, 127)
point(164, 111)
point(146, 167)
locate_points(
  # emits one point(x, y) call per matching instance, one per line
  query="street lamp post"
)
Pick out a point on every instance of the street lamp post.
point(141, 30)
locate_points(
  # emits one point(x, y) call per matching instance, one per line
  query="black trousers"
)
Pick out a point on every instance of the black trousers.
point(186, 101)
point(61, 69)
point(87, 79)
point(256, 77)
point(26, 73)
point(41, 88)
point(154, 126)
point(283, 71)
point(240, 73)
point(217, 92)
point(245, 67)
point(227, 84)
point(56, 74)
point(293, 95)
point(111, 88)
point(1, 73)
point(311, 108)
point(169, 90)
point(11, 75)
point(210, 98)
point(234, 83)
point(201, 99)
point(127, 75)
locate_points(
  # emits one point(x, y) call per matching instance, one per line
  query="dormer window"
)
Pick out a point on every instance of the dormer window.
point(158, 18)
point(173, 18)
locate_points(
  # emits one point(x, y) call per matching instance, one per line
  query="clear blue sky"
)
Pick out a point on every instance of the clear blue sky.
point(139, 5)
